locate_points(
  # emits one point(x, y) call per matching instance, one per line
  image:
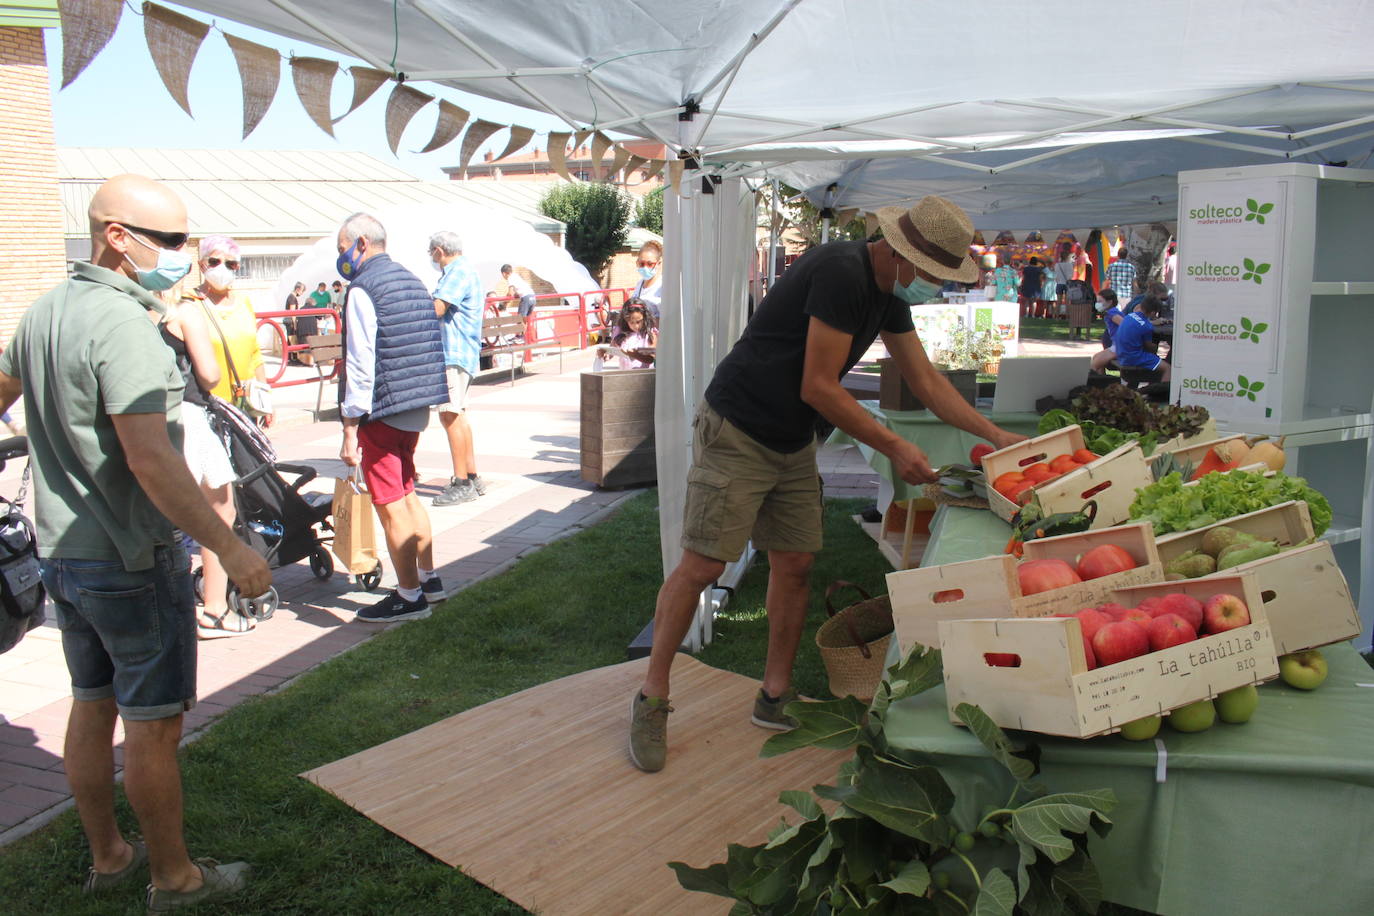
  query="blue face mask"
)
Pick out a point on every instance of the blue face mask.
point(918, 291)
point(647, 272)
point(348, 263)
point(171, 267)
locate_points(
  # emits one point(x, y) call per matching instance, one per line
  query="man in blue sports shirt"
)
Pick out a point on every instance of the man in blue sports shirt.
point(1133, 335)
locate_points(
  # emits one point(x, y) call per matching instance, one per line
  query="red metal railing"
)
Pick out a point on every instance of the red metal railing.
point(590, 312)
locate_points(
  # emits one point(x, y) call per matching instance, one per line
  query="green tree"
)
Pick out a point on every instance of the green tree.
point(649, 211)
point(597, 216)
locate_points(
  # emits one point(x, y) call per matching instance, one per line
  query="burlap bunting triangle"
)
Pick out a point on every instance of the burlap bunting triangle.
point(87, 26)
point(260, 73)
point(314, 77)
point(477, 135)
point(173, 40)
point(448, 126)
point(366, 81)
point(400, 108)
point(519, 136)
point(558, 149)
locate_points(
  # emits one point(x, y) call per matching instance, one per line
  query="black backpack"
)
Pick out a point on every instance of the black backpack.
point(22, 595)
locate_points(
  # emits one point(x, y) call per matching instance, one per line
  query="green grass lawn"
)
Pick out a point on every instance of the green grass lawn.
point(572, 606)
point(1052, 329)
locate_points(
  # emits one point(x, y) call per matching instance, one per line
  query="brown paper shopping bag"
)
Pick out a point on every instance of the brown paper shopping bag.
point(355, 536)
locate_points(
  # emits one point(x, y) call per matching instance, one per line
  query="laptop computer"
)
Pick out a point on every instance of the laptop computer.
point(1021, 381)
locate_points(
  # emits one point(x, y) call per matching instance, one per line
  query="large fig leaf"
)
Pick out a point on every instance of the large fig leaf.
point(995, 740)
point(997, 896)
point(910, 800)
point(833, 725)
point(1045, 822)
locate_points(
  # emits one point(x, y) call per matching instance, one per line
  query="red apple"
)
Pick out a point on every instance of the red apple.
point(1152, 606)
point(1092, 620)
point(1002, 659)
point(1104, 560)
point(1111, 609)
point(1138, 616)
point(1038, 576)
point(1185, 606)
point(1169, 630)
point(1224, 612)
point(1117, 642)
point(1089, 654)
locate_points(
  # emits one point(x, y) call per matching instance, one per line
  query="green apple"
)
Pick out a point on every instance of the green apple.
point(1195, 717)
point(1236, 706)
point(1305, 670)
point(1141, 729)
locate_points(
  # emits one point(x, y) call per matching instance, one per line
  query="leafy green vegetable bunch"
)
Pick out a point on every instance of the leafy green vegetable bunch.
point(902, 840)
point(1097, 437)
point(1128, 410)
point(1171, 506)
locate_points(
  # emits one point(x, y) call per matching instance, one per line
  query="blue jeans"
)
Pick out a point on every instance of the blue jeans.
point(128, 635)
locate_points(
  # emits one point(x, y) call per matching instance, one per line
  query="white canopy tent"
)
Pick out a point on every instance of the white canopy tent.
point(891, 99)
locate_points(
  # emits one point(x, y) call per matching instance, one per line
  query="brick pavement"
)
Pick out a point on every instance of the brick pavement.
point(526, 437)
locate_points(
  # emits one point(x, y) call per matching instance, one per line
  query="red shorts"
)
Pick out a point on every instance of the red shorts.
point(388, 461)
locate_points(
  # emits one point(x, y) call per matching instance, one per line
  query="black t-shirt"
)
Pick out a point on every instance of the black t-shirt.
point(757, 387)
point(1032, 277)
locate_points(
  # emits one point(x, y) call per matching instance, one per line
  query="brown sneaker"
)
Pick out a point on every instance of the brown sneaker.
point(649, 731)
point(98, 881)
point(769, 713)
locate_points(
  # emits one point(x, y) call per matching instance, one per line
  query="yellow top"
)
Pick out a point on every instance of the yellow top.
point(239, 323)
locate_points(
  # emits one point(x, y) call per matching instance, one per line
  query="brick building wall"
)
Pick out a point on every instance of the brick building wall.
point(32, 252)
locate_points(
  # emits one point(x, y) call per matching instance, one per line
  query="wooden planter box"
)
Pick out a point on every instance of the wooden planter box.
point(1111, 480)
point(989, 587)
point(1053, 691)
point(617, 442)
point(1305, 595)
point(893, 393)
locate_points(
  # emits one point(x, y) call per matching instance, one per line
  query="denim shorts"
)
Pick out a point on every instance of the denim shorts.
point(128, 635)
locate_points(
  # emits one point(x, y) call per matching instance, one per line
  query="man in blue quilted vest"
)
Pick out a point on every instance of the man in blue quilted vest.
point(393, 374)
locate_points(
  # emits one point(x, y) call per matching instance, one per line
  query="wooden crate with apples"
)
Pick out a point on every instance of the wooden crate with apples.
point(1034, 674)
point(1110, 480)
point(991, 587)
point(1305, 594)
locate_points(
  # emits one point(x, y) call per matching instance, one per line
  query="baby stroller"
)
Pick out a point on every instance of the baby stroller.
point(282, 524)
point(22, 595)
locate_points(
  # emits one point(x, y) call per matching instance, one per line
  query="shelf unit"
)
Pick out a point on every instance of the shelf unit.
point(1314, 297)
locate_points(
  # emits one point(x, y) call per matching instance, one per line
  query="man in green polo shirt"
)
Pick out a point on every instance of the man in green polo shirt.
point(102, 397)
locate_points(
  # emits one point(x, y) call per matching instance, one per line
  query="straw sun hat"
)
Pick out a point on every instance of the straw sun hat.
point(934, 235)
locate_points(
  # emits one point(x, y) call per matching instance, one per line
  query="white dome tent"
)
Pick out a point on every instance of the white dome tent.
point(890, 100)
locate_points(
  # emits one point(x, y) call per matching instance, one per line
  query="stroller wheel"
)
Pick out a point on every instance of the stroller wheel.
point(371, 580)
point(260, 608)
point(321, 563)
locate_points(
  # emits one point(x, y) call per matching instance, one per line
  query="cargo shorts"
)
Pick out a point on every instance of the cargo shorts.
point(739, 489)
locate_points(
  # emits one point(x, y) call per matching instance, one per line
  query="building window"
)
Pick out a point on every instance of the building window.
point(265, 267)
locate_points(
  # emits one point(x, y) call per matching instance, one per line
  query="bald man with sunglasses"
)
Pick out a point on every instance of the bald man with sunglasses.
point(102, 396)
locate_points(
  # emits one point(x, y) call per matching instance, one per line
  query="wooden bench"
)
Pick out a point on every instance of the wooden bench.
point(502, 325)
point(325, 350)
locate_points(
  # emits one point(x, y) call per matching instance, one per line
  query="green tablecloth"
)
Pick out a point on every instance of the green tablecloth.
point(1274, 816)
point(943, 444)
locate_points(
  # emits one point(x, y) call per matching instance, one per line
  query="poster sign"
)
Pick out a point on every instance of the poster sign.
point(1229, 292)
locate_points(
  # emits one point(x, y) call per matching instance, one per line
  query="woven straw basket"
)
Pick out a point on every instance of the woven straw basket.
point(854, 642)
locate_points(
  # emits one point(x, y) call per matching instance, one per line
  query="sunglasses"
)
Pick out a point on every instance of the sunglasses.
point(215, 262)
point(172, 240)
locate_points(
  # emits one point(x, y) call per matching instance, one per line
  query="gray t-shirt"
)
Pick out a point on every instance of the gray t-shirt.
point(84, 351)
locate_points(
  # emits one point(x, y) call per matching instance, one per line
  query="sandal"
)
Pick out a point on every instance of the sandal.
point(230, 623)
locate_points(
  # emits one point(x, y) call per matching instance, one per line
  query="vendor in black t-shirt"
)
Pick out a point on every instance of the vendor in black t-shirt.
point(754, 468)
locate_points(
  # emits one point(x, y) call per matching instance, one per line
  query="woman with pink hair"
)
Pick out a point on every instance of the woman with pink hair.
point(231, 327)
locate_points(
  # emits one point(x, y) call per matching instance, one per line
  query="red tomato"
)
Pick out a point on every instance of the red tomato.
point(1104, 560)
point(1063, 464)
point(975, 455)
point(1085, 456)
point(1007, 479)
point(1036, 472)
point(1016, 491)
point(1037, 576)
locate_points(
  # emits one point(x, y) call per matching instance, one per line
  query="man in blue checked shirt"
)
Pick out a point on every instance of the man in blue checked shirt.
point(458, 301)
point(1121, 275)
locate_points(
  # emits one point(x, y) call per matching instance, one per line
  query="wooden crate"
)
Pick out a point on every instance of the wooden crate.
point(974, 589)
point(1304, 591)
point(1111, 480)
point(1053, 691)
point(617, 428)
